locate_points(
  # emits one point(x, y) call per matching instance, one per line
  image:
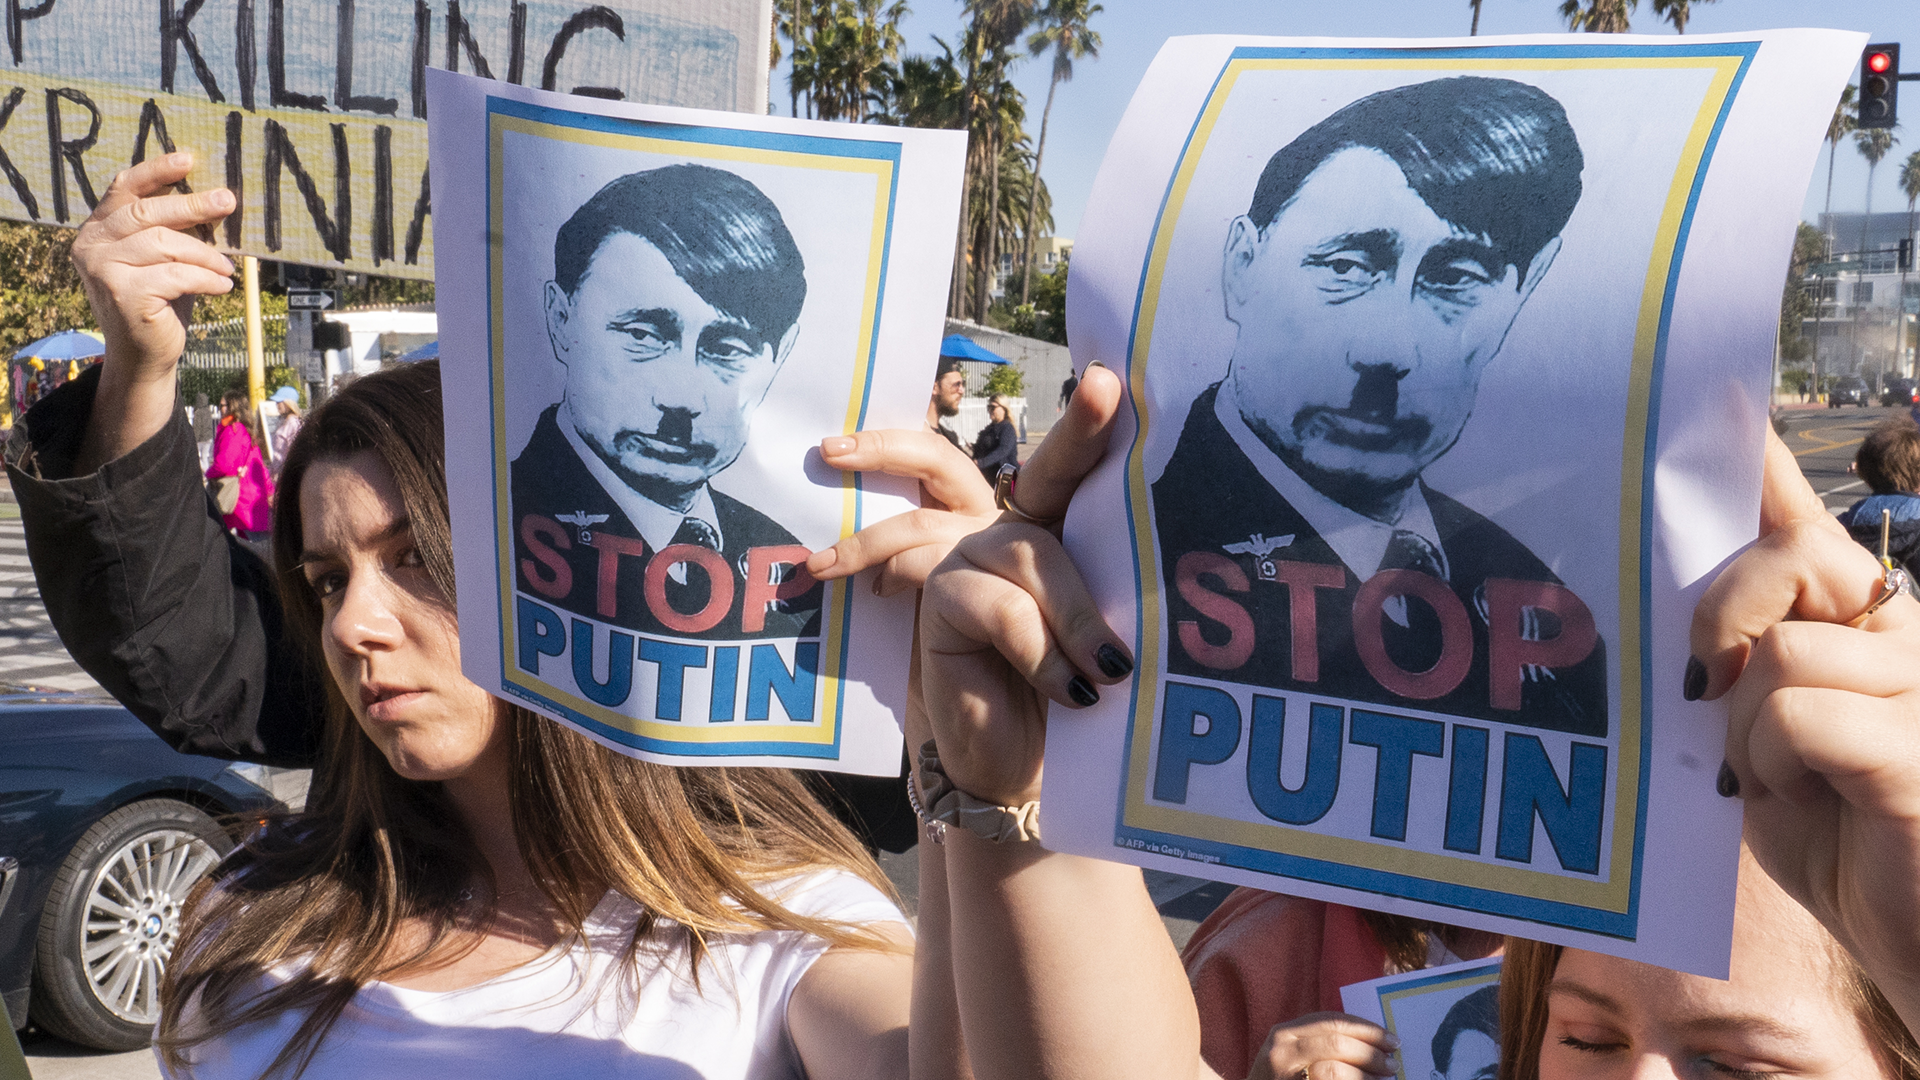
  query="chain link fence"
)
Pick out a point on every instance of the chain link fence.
point(216, 357)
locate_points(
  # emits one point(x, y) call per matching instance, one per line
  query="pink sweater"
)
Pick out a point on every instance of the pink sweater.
point(1262, 959)
point(234, 454)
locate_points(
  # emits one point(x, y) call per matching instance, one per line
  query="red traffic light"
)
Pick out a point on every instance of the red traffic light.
point(1879, 62)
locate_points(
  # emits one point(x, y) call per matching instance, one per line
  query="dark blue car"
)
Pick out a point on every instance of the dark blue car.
point(103, 830)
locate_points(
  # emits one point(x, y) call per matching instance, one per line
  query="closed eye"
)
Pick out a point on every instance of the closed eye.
point(1586, 1047)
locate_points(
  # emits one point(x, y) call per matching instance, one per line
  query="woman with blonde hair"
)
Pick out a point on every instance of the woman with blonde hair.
point(287, 400)
point(471, 887)
point(997, 444)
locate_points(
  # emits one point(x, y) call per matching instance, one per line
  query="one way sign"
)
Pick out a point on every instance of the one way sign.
point(311, 299)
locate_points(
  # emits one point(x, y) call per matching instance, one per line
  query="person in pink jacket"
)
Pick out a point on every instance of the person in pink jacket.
point(235, 454)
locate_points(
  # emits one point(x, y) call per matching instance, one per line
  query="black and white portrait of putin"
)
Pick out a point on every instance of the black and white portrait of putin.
point(675, 298)
point(1384, 256)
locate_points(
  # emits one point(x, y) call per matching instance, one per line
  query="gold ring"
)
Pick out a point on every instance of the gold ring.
point(1003, 482)
point(1893, 584)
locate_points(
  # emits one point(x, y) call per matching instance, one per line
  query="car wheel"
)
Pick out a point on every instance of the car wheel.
point(112, 919)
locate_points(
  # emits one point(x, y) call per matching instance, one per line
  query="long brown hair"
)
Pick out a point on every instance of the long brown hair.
point(237, 404)
point(1528, 970)
point(333, 886)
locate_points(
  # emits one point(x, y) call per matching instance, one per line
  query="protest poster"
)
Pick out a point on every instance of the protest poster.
point(1446, 369)
point(1447, 1018)
point(313, 112)
point(651, 321)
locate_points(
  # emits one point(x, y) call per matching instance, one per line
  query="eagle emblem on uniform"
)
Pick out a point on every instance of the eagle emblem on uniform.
point(581, 520)
point(1262, 550)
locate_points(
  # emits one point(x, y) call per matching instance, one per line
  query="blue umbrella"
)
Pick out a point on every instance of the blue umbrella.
point(65, 345)
point(429, 351)
point(961, 347)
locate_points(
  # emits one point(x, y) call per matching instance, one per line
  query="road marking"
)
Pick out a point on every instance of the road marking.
point(30, 651)
point(1812, 434)
point(1843, 487)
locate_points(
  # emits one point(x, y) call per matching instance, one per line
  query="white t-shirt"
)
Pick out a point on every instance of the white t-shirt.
point(576, 1012)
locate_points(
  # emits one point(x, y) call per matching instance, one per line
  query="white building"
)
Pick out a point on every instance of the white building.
point(1865, 300)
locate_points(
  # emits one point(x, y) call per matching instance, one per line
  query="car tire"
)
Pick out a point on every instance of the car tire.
point(112, 918)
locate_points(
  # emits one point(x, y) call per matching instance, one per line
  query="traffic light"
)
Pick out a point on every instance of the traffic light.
point(1879, 86)
point(328, 334)
point(1904, 261)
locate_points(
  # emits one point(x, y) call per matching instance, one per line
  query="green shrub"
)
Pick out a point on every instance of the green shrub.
point(1006, 379)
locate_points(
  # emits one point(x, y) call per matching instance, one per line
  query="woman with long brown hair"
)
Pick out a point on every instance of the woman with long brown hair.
point(472, 887)
point(459, 843)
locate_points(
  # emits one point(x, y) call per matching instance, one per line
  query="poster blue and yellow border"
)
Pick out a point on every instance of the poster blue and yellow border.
point(1609, 904)
point(1467, 979)
point(816, 740)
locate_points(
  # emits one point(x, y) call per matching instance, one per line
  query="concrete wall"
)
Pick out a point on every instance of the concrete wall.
point(1044, 364)
point(973, 419)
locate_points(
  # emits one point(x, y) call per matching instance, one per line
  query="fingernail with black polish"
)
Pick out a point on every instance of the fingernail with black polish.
point(1082, 691)
point(1727, 784)
point(1696, 679)
point(1113, 663)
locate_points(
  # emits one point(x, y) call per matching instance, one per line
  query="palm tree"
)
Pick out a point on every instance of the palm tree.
point(1910, 187)
point(992, 28)
point(924, 91)
point(1064, 31)
point(1597, 16)
point(1676, 11)
point(1873, 144)
point(1472, 31)
point(843, 59)
point(1837, 128)
point(999, 116)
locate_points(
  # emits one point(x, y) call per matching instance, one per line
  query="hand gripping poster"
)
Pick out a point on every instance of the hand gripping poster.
point(1447, 1019)
point(651, 317)
point(1446, 369)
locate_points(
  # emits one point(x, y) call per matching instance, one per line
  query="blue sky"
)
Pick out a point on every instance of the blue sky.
point(1087, 110)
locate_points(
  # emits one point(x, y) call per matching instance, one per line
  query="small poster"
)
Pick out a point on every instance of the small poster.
point(1447, 371)
point(662, 315)
point(1447, 1018)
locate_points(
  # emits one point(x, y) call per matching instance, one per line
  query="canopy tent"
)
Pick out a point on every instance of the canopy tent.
point(46, 365)
point(961, 347)
point(65, 345)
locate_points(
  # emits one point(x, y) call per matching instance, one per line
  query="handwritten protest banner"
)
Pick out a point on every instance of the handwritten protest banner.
point(654, 319)
point(314, 111)
point(1447, 368)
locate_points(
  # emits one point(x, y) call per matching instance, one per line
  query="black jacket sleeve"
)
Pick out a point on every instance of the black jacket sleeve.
point(172, 616)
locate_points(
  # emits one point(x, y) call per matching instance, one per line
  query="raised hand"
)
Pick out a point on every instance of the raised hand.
point(1824, 735)
point(141, 270)
point(1008, 623)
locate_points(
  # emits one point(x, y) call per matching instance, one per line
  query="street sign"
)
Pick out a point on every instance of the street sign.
point(311, 299)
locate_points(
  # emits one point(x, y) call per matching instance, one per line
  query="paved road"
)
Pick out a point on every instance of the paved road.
point(30, 652)
point(31, 655)
point(1825, 441)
